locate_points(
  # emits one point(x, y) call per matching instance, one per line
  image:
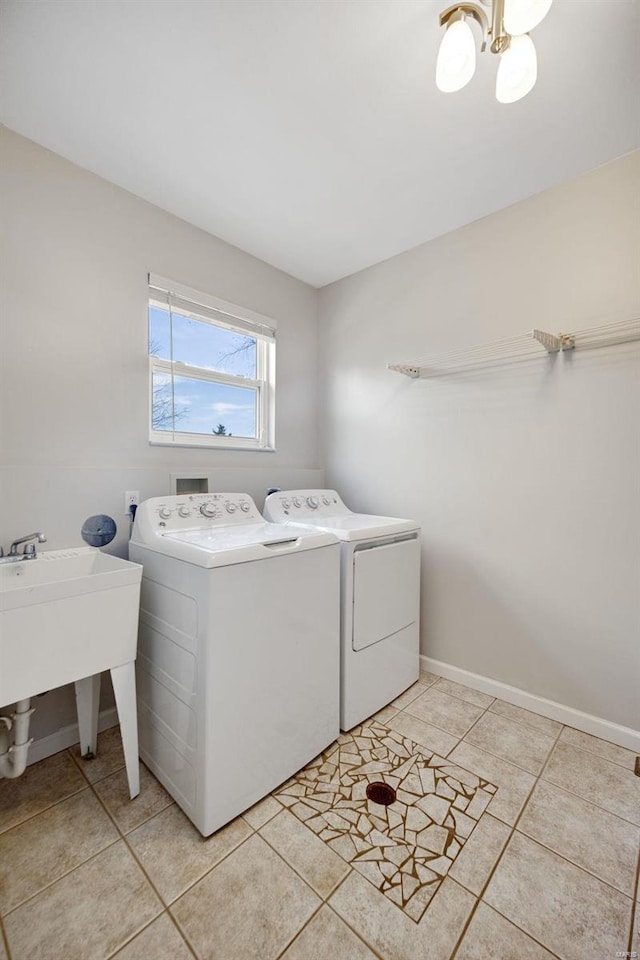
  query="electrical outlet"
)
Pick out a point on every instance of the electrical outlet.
point(131, 498)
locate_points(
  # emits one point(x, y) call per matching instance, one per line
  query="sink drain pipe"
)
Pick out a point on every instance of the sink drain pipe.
point(13, 759)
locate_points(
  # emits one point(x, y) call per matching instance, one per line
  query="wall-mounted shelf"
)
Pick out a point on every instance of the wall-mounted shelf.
point(523, 347)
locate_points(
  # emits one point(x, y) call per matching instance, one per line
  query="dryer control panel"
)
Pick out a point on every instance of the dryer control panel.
point(193, 511)
point(303, 505)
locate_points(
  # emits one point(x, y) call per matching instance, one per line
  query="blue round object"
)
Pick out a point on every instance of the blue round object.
point(99, 530)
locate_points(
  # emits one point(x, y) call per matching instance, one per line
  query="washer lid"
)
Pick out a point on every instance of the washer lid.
point(221, 539)
point(358, 526)
point(325, 510)
point(224, 546)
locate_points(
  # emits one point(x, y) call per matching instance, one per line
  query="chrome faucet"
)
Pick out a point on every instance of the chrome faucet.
point(30, 547)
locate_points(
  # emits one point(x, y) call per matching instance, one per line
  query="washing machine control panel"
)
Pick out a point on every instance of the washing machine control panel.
point(303, 504)
point(195, 510)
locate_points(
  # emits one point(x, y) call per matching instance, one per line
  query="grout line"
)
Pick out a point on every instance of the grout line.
point(113, 817)
point(181, 932)
point(580, 866)
point(66, 873)
point(298, 932)
point(427, 748)
point(111, 773)
point(141, 930)
point(512, 762)
point(525, 726)
point(56, 803)
point(542, 773)
point(476, 721)
point(131, 851)
point(48, 886)
point(591, 753)
point(4, 940)
point(140, 863)
point(635, 907)
point(499, 858)
point(456, 696)
point(431, 723)
point(126, 943)
point(356, 934)
point(591, 803)
point(297, 871)
point(524, 723)
point(428, 683)
point(539, 942)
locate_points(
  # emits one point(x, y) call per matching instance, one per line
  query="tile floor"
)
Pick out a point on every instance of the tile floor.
point(541, 863)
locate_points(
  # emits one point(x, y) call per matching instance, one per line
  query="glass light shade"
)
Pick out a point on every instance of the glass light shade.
point(517, 70)
point(456, 62)
point(521, 16)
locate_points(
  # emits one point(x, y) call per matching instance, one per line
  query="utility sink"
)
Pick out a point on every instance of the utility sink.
point(64, 616)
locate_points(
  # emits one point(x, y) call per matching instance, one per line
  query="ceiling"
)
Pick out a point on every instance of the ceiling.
point(310, 133)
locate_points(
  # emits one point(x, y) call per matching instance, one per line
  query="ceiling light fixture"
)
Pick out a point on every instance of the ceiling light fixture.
point(505, 24)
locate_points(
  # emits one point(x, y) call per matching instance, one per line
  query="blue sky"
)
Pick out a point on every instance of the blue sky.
point(201, 405)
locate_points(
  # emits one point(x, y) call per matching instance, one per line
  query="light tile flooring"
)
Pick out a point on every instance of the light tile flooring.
point(548, 867)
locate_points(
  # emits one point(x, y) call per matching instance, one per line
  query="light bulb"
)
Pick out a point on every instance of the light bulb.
point(456, 58)
point(521, 16)
point(517, 70)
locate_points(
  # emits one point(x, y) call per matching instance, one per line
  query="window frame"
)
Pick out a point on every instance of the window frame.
point(167, 295)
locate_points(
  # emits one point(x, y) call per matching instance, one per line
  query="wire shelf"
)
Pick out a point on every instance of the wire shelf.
point(525, 346)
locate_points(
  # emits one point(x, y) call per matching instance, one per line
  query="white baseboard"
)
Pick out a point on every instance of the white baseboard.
point(597, 726)
point(67, 736)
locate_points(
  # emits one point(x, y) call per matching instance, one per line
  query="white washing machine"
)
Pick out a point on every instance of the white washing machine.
point(380, 596)
point(239, 650)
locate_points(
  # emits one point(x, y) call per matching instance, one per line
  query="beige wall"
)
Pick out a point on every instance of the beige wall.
point(73, 358)
point(73, 380)
point(525, 480)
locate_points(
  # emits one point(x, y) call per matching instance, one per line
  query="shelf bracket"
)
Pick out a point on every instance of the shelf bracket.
point(413, 372)
point(551, 343)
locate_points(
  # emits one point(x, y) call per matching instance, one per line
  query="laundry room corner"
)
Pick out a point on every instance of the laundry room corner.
point(523, 475)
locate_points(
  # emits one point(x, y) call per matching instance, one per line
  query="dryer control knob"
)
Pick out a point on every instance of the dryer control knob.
point(326, 501)
point(184, 511)
point(231, 507)
point(312, 502)
point(208, 509)
point(245, 507)
point(286, 504)
point(297, 502)
point(164, 512)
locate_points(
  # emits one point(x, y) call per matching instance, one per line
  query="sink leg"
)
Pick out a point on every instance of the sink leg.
point(88, 704)
point(124, 688)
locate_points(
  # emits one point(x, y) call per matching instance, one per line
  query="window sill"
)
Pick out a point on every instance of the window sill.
point(246, 448)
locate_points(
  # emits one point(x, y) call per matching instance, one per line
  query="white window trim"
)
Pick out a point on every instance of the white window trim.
point(207, 308)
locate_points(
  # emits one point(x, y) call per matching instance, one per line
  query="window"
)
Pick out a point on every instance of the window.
point(211, 371)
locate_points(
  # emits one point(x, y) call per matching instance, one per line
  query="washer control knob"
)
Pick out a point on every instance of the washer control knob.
point(164, 512)
point(286, 504)
point(326, 501)
point(312, 502)
point(208, 509)
point(231, 507)
point(297, 502)
point(184, 511)
point(245, 507)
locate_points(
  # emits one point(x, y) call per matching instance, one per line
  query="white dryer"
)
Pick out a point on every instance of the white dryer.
point(239, 650)
point(380, 596)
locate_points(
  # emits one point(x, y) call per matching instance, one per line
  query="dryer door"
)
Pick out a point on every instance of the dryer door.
point(386, 591)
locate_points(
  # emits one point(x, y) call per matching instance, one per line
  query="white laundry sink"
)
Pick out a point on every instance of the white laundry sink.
point(65, 615)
